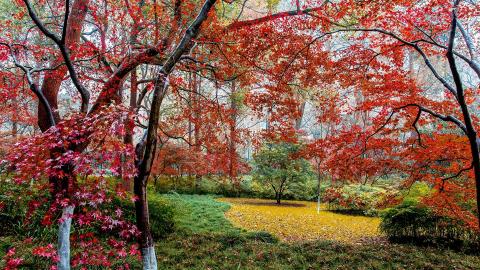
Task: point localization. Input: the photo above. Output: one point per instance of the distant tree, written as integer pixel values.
(279, 166)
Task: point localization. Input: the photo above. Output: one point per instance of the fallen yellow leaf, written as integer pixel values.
(299, 221)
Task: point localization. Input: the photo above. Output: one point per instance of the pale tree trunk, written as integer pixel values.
(197, 88)
(149, 259)
(318, 194)
(64, 238)
(146, 242)
(48, 116)
(299, 118)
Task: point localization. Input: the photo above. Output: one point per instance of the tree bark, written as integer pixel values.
(53, 79)
(145, 153)
(470, 129)
(64, 238)
(233, 141)
(143, 223)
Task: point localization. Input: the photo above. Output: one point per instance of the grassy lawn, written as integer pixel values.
(205, 239)
(200, 214)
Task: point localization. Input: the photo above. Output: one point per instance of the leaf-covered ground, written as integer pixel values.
(298, 221)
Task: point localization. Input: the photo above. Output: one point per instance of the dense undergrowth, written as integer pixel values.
(410, 221)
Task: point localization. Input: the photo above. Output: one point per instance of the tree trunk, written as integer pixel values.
(128, 139)
(299, 118)
(143, 223)
(233, 140)
(278, 197)
(54, 78)
(50, 87)
(469, 127)
(64, 239)
(318, 194)
(145, 154)
(474, 146)
(145, 150)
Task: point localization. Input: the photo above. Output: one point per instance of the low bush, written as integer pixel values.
(22, 209)
(412, 221)
(162, 214)
(416, 223)
(357, 199)
(247, 187)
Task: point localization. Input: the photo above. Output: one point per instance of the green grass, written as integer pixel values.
(200, 214)
(214, 252)
(206, 240)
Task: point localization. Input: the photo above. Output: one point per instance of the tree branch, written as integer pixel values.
(64, 51)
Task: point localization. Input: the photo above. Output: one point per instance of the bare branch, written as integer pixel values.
(65, 21)
(64, 51)
(42, 99)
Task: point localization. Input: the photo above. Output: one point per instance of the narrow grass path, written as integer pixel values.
(205, 239)
(299, 221)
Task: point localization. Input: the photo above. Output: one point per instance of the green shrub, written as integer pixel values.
(247, 187)
(356, 199)
(22, 208)
(416, 192)
(162, 215)
(411, 221)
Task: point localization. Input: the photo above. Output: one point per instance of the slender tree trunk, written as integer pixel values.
(233, 139)
(145, 150)
(53, 79)
(474, 147)
(145, 153)
(63, 187)
(469, 127)
(50, 87)
(128, 139)
(318, 194)
(197, 87)
(299, 118)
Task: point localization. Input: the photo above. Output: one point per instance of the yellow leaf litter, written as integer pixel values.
(299, 221)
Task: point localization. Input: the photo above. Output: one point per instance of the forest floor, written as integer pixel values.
(206, 239)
